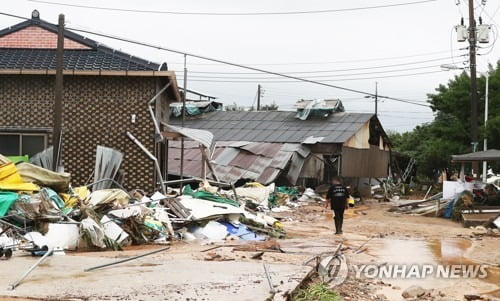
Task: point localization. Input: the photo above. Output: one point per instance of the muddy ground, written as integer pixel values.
(188, 272)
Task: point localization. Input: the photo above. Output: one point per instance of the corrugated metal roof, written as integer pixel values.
(278, 126)
(265, 149)
(226, 155)
(262, 162)
(204, 137)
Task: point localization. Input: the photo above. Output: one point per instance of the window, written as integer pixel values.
(20, 144)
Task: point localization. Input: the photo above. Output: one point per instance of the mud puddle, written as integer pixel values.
(399, 252)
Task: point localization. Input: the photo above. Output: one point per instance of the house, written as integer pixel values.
(286, 147)
(106, 94)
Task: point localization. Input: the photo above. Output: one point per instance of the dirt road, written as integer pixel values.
(403, 239)
(186, 273)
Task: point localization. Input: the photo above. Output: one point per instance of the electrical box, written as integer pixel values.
(462, 33)
(483, 33)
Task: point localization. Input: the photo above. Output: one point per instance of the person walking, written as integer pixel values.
(337, 197)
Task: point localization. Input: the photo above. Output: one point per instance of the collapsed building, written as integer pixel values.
(307, 147)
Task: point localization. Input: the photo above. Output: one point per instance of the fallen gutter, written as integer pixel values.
(158, 135)
(152, 157)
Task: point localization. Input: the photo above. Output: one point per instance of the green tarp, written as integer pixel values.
(6, 200)
(205, 195)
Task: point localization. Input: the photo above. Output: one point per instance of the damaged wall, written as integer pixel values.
(97, 111)
(372, 162)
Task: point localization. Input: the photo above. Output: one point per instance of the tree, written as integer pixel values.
(270, 107)
(433, 143)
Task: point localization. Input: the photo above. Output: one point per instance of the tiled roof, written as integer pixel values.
(90, 56)
(73, 60)
(277, 126)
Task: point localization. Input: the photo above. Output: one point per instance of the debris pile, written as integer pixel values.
(40, 210)
(472, 203)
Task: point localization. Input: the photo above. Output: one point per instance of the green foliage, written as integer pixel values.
(316, 292)
(270, 107)
(433, 143)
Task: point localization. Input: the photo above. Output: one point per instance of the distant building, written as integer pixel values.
(278, 146)
(106, 93)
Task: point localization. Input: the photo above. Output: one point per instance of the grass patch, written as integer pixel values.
(316, 292)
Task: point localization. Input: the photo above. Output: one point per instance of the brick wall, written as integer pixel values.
(97, 111)
(36, 37)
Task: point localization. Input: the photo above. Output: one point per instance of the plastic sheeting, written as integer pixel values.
(212, 230)
(255, 194)
(202, 209)
(10, 179)
(205, 195)
(116, 196)
(44, 177)
(94, 231)
(6, 201)
(242, 232)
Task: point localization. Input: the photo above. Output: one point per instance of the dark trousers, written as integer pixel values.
(338, 218)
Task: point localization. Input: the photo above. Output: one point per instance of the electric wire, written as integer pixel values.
(341, 70)
(271, 80)
(309, 77)
(244, 66)
(329, 62)
(233, 13)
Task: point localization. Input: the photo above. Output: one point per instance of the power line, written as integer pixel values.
(313, 76)
(234, 13)
(239, 65)
(341, 70)
(323, 82)
(329, 62)
(13, 16)
(242, 66)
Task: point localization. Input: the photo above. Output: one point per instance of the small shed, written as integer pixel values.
(484, 156)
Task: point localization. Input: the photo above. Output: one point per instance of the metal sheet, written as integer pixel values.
(281, 160)
(243, 160)
(268, 176)
(204, 137)
(226, 156)
(260, 163)
(264, 149)
(365, 163)
(295, 168)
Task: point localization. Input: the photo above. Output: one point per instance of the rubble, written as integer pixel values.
(413, 291)
(40, 210)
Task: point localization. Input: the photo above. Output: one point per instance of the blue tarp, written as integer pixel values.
(242, 232)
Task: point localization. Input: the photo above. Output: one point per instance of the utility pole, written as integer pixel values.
(473, 79)
(183, 121)
(57, 132)
(485, 142)
(376, 98)
(258, 97)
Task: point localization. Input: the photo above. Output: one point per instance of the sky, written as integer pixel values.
(399, 48)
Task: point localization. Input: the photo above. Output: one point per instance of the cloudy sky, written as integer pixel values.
(399, 47)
